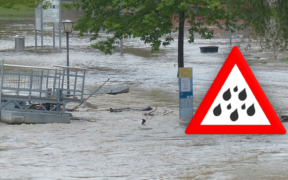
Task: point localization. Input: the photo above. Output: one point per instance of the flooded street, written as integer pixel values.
(105, 145)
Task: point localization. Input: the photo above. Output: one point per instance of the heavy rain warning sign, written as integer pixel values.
(235, 103)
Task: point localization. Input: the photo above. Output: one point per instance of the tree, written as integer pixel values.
(151, 20)
(267, 21)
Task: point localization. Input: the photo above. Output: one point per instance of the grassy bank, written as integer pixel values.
(22, 12)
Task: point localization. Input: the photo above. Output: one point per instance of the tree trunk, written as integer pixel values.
(181, 40)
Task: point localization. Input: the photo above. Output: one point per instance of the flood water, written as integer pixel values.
(117, 146)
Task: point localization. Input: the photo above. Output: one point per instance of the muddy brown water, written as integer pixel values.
(117, 145)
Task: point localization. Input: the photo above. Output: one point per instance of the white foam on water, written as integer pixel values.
(112, 147)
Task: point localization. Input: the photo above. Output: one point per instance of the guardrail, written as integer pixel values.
(21, 84)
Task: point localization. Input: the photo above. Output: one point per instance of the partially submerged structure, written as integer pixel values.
(39, 95)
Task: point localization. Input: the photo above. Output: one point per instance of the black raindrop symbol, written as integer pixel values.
(243, 106)
(227, 95)
(242, 95)
(251, 110)
(234, 115)
(235, 89)
(217, 110)
(229, 106)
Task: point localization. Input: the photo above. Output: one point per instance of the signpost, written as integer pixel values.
(37, 23)
(50, 15)
(37, 18)
(185, 93)
(41, 26)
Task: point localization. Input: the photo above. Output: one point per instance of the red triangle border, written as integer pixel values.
(235, 57)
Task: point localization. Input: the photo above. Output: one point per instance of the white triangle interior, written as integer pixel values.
(234, 79)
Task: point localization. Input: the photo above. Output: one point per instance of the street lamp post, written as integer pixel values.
(67, 26)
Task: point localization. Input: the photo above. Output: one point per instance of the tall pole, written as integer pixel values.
(121, 41)
(230, 35)
(54, 34)
(60, 24)
(2, 79)
(68, 81)
(41, 26)
(35, 29)
(121, 46)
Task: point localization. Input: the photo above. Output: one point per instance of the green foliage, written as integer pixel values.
(267, 21)
(285, 59)
(21, 10)
(150, 20)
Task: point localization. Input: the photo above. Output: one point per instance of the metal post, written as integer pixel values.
(121, 46)
(230, 35)
(41, 26)
(224, 31)
(75, 82)
(47, 83)
(68, 81)
(63, 75)
(82, 91)
(54, 34)
(31, 84)
(54, 84)
(121, 41)
(19, 81)
(59, 79)
(248, 32)
(2, 79)
(41, 81)
(60, 24)
(35, 30)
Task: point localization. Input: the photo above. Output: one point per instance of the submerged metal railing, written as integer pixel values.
(21, 84)
(30, 81)
(76, 82)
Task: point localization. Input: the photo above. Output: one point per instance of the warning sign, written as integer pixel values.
(235, 103)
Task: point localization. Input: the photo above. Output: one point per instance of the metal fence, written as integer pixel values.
(21, 84)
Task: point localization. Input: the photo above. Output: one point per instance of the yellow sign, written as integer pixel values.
(185, 72)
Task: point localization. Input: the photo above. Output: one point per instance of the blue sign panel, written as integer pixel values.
(185, 93)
